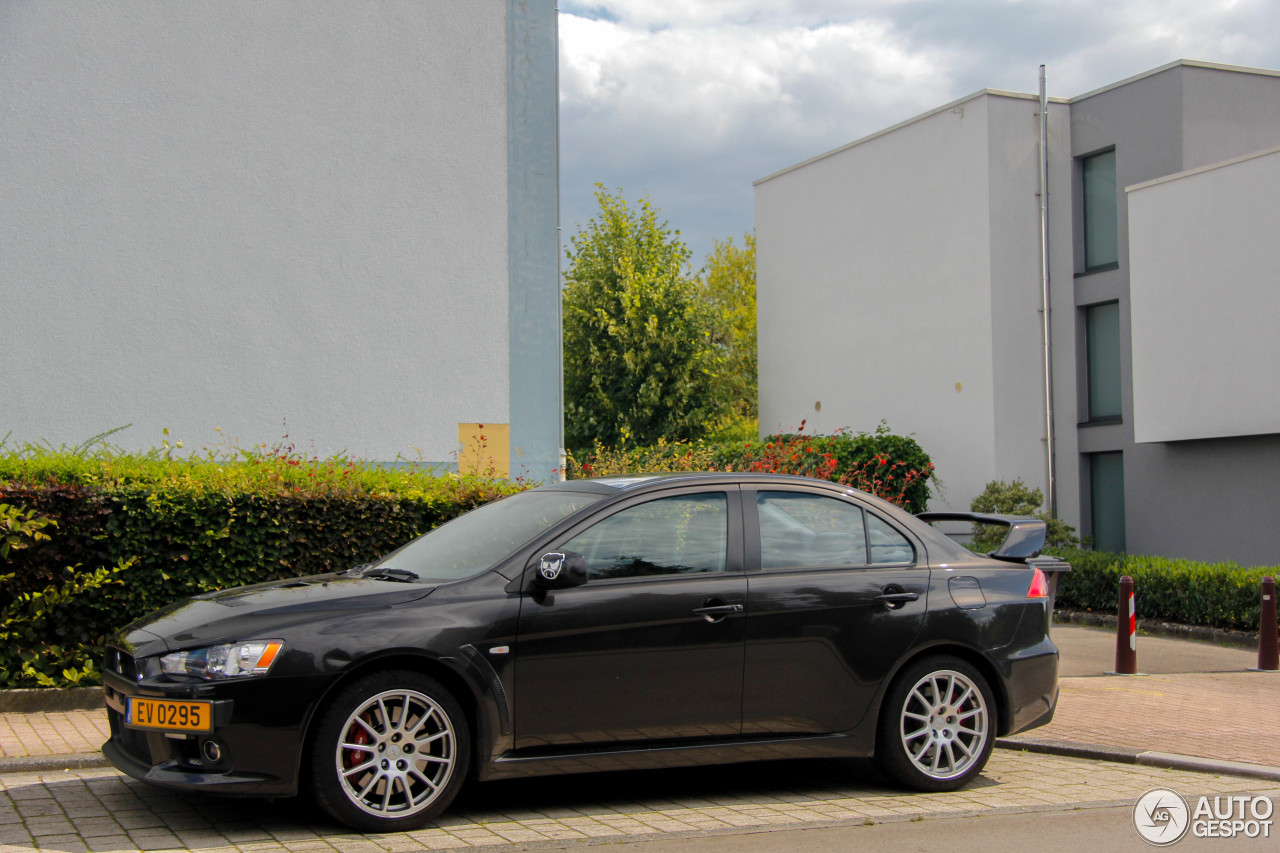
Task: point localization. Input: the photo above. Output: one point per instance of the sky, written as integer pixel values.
(688, 102)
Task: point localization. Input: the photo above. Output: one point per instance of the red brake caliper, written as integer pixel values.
(356, 734)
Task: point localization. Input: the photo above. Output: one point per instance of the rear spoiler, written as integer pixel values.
(1024, 540)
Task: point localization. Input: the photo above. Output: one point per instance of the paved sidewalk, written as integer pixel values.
(52, 733)
(1227, 716)
(1199, 700)
(101, 810)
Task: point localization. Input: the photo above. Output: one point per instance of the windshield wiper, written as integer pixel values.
(401, 575)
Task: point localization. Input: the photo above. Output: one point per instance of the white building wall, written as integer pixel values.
(874, 296)
(269, 218)
(1016, 298)
(1204, 301)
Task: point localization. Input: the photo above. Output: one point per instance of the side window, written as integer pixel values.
(807, 530)
(887, 544)
(677, 535)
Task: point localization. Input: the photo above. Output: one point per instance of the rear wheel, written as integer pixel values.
(390, 753)
(937, 726)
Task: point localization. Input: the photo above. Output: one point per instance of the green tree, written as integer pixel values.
(729, 283)
(640, 356)
(1016, 498)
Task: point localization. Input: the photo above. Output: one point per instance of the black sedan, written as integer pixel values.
(596, 625)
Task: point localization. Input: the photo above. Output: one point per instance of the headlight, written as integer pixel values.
(233, 660)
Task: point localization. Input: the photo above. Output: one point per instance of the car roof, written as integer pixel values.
(628, 483)
(635, 482)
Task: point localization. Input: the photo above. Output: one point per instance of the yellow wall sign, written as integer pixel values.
(484, 449)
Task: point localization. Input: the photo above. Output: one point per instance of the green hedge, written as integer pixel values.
(1218, 595)
(185, 526)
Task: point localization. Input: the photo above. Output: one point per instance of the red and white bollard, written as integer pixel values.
(1126, 630)
(1268, 641)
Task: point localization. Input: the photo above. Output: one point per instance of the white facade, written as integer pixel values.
(265, 218)
(899, 281)
(1205, 363)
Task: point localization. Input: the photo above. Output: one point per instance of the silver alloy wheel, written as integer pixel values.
(396, 754)
(944, 724)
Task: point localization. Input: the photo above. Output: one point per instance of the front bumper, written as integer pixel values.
(258, 731)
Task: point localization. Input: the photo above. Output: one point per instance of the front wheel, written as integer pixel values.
(937, 726)
(390, 753)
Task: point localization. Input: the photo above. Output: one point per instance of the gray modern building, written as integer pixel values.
(335, 220)
(900, 279)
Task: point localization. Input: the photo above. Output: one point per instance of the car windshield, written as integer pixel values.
(477, 540)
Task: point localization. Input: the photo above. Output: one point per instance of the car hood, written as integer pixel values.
(260, 611)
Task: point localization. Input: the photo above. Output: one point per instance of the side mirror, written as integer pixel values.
(560, 570)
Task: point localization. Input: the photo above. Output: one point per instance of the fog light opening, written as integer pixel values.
(211, 751)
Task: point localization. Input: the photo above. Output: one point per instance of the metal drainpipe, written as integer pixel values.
(559, 249)
(1044, 296)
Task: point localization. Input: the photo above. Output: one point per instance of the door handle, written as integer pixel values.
(895, 596)
(714, 610)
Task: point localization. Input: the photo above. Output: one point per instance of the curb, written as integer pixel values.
(1147, 758)
(1227, 636)
(52, 763)
(51, 699)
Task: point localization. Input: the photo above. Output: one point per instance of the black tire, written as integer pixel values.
(937, 725)
(417, 755)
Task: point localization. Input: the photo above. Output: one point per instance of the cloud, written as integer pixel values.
(711, 79)
(691, 101)
(714, 106)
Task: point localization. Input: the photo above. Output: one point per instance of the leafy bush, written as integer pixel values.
(659, 458)
(165, 528)
(17, 527)
(1219, 595)
(28, 655)
(1016, 498)
(890, 466)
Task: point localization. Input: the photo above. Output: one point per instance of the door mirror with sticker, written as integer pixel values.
(560, 570)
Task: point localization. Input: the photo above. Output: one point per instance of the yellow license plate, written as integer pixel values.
(170, 715)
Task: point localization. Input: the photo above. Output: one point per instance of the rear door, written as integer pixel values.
(836, 598)
(651, 647)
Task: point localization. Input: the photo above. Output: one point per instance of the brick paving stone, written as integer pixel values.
(154, 842)
(64, 844)
(1205, 714)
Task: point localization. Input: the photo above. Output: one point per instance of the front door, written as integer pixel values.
(651, 647)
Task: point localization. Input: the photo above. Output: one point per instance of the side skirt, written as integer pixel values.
(851, 744)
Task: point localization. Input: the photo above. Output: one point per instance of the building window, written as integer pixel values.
(1106, 499)
(1101, 228)
(1102, 361)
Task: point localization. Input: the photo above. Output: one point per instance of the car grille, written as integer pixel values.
(131, 740)
(121, 663)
